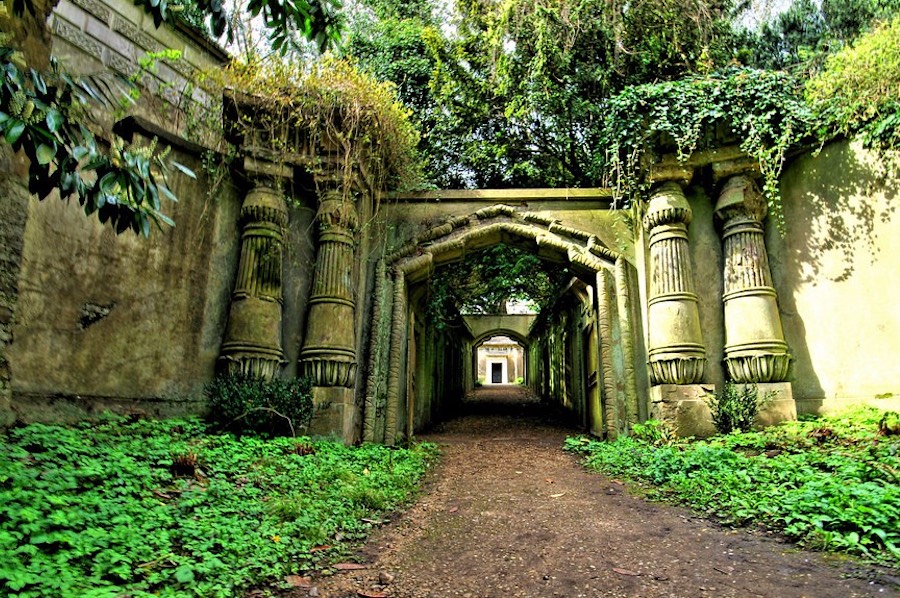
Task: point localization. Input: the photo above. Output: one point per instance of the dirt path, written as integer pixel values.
(507, 513)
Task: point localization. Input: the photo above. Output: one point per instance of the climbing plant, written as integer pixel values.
(338, 108)
(763, 111)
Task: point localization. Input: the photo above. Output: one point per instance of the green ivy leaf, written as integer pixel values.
(14, 131)
(45, 153)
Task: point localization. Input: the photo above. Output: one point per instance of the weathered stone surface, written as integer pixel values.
(683, 407)
(252, 344)
(676, 352)
(755, 350)
(780, 405)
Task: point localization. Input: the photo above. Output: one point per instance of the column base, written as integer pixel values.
(780, 408)
(682, 406)
(336, 413)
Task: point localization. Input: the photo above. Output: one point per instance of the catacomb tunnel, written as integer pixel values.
(579, 352)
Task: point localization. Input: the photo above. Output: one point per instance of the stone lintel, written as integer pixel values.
(677, 172)
(780, 407)
(335, 413)
(256, 167)
(741, 165)
(683, 407)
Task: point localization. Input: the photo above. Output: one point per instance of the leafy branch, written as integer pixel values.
(43, 115)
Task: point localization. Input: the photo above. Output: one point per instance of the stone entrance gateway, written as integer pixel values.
(666, 299)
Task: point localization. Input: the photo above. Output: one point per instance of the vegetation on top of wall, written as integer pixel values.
(831, 483)
(166, 508)
(339, 108)
(764, 110)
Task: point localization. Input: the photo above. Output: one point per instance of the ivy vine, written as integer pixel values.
(764, 110)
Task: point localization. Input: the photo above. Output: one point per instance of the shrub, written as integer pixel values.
(735, 407)
(245, 403)
(653, 432)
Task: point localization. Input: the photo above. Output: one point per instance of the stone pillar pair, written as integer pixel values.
(755, 351)
(253, 343)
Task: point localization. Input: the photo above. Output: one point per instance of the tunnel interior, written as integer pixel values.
(461, 343)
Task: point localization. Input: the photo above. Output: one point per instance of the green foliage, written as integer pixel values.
(653, 432)
(100, 510)
(764, 110)
(44, 116)
(343, 110)
(857, 91)
(244, 403)
(484, 280)
(832, 483)
(734, 408)
(315, 20)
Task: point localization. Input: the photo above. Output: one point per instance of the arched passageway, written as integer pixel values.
(580, 353)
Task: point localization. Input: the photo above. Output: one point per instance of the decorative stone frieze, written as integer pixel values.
(755, 350)
(329, 350)
(253, 337)
(676, 351)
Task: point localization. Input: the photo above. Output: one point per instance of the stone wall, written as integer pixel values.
(93, 320)
(836, 274)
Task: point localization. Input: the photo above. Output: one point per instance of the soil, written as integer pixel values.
(508, 513)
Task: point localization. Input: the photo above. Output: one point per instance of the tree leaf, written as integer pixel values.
(14, 131)
(45, 154)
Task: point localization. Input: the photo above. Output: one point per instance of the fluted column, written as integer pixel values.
(755, 350)
(329, 350)
(253, 336)
(676, 351)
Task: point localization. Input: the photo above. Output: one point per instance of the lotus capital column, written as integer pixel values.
(755, 350)
(676, 351)
(252, 344)
(329, 351)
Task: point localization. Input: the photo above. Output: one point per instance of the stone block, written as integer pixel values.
(335, 414)
(781, 407)
(683, 407)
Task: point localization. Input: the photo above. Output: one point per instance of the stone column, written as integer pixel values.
(329, 353)
(677, 356)
(253, 336)
(755, 350)
(676, 351)
(329, 350)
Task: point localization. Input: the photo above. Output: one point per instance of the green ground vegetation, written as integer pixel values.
(170, 508)
(831, 483)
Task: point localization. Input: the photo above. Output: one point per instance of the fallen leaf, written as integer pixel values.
(625, 572)
(557, 495)
(320, 548)
(454, 509)
(349, 566)
(298, 581)
(374, 521)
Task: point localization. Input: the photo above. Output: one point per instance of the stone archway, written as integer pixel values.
(388, 410)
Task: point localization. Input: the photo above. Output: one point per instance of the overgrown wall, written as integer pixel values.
(94, 320)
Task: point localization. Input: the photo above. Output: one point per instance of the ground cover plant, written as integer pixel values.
(831, 483)
(169, 508)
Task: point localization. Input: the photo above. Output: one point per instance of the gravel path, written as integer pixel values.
(508, 513)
